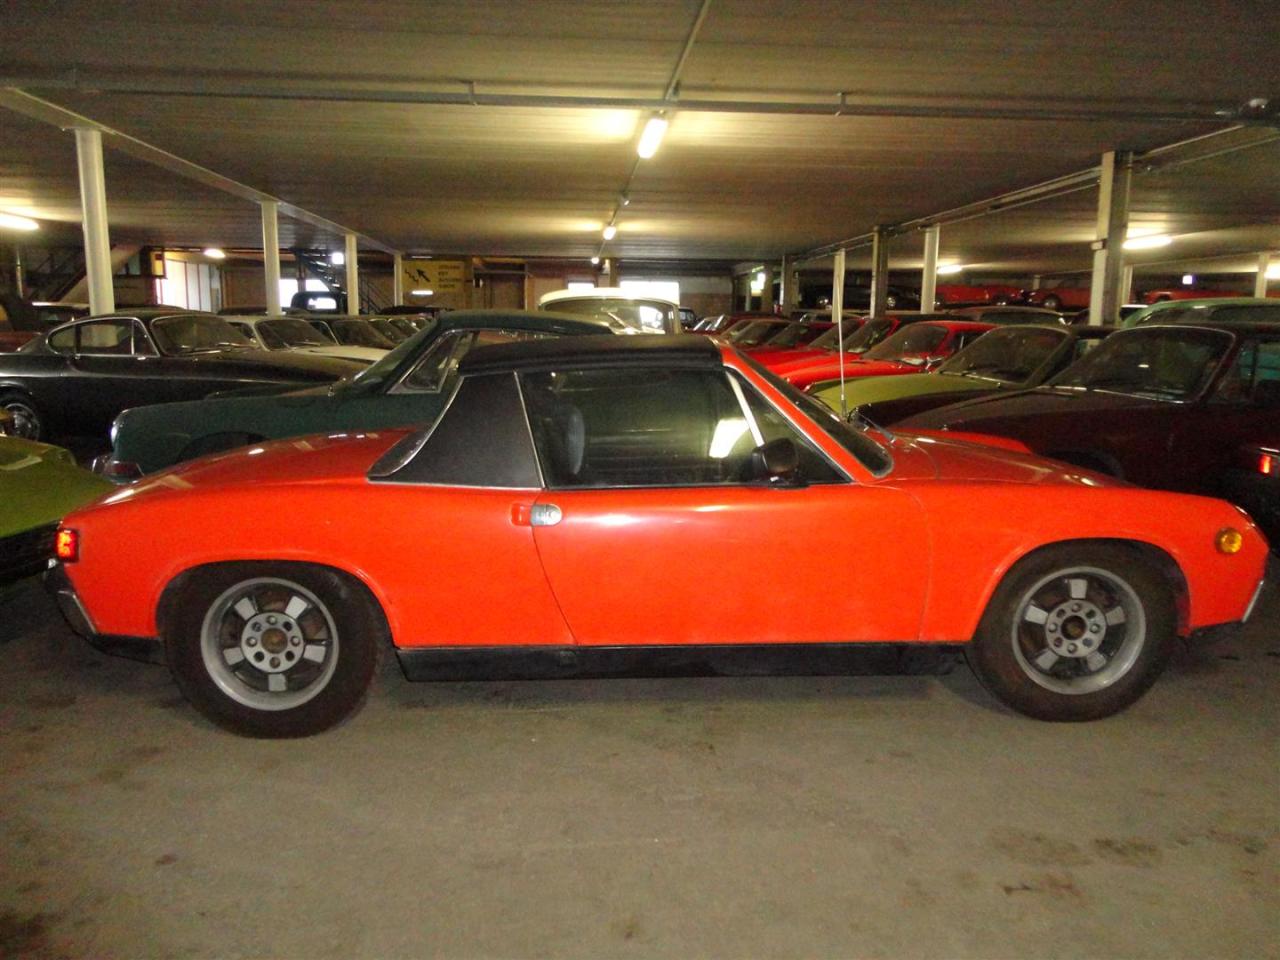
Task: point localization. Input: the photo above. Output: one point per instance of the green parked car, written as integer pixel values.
(1216, 309)
(1003, 359)
(405, 388)
(39, 484)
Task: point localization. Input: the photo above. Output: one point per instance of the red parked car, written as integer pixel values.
(1187, 293)
(857, 339)
(722, 323)
(547, 506)
(1058, 298)
(961, 293)
(796, 335)
(914, 348)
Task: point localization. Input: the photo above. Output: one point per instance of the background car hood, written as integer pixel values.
(1028, 404)
(39, 484)
(960, 460)
(282, 364)
(880, 389)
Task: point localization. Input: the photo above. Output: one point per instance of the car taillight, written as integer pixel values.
(1267, 464)
(66, 545)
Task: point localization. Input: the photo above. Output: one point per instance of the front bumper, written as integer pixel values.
(146, 649)
(1226, 631)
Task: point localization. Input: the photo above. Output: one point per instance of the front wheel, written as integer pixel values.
(1052, 302)
(1075, 633)
(273, 650)
(26, 420)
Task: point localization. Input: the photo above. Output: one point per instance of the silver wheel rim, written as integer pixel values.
(1078, 630)
(269, 644)
(26, 423)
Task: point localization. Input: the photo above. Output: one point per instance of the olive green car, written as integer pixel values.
(39, 484)
(405, 388)
(1006, 358)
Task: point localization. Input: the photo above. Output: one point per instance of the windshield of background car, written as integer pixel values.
(291, 332)
(853, 438)
(753, 334)
(868, 335)
(1163, 363)
(381, 370)
(913, 339)
(359, 333)
(191, 333)
(1011, 356)
(793, 334)
(640, 316)
(831, 339)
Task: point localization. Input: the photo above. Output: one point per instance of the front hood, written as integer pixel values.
(878, 368)
(361, 355)
(881, 389)
(1030, 405)
(959, 460)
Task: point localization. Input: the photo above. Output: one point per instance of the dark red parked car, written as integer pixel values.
(1163, 406)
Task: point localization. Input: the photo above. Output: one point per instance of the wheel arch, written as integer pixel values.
(166, 605)
(1159, 558)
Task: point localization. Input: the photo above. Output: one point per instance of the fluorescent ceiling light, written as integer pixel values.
(214, 253)
(11, 221)
(595, 259)
(946, 269)
(421, 293)
(651, 139)
(610, 232)
(337, 258)
(1148, 243)
(1188, 279)
(1273, 271)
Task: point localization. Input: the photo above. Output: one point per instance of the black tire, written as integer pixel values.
(28, 422)
(236, 694)
(1052, 302)
(1049, 668)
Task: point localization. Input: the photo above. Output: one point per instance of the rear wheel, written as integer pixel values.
(1052, 302)
(27, 421)
(1075, 632)
(273, 650)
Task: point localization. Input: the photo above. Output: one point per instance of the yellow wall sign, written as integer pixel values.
(438, 276)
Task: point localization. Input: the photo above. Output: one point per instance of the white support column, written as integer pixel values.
(1126, 287)
(1108, 248)
(879, 271)
(766, 289)
(93, 210)
(1260, 281)
(929, 272)
(397, 280)
(353, 274)
(837, 314)
(271, 255)
(789, 294)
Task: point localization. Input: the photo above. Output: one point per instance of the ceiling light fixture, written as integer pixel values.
(214, 253)
(11, 221)
(421, 293)
(1148, 243)
(595, 260)
(946, 269)
(610, 232)
(626, 199)
(1273, 271)
(651, 139)
(338, 258)
(1188, 279)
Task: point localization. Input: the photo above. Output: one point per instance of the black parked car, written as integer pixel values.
(75, 380)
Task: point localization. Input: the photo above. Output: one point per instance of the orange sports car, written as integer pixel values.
(545, 511)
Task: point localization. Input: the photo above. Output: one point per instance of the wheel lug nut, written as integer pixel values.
(271, 620)
(252, 641)
(295, 641)
(1072, 649)
(257, 627)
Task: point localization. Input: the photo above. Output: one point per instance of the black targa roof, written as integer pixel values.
(661, 350)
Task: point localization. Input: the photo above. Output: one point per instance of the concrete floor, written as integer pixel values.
(787, 817)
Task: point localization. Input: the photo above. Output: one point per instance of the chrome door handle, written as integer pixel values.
(544, 515)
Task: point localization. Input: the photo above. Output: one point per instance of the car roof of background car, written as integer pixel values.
(1209, 305)
(521, 319)
(667, 350)
(950, 323)
(1239, 328)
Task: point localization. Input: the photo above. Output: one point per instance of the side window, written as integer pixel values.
(814, 467)
(645, 428)
(63, 341)
(270, 340)
(1254, 375)
(107, 338)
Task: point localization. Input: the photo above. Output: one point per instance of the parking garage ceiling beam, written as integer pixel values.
(1260, 110)
(19, 101)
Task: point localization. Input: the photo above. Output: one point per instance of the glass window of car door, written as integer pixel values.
(1254, 376)
(436, 370)
(111, 338)
(640, 427)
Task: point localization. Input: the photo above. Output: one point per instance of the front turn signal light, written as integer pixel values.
(66, 545)
(1229, 540)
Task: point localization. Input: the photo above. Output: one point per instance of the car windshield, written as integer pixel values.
(632, 316)
(753, 334)
(360, 333)
(910, 341)
(194, 332)
(831, 339)
(1163, 363)
(388, 329)
(378, 372)
(794, 334)
(292, 332)
(853, 438)
(1010, 355)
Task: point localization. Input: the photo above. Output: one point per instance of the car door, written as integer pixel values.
(653, 529)
(114, 366)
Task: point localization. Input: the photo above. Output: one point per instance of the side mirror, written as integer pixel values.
(777, 461)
